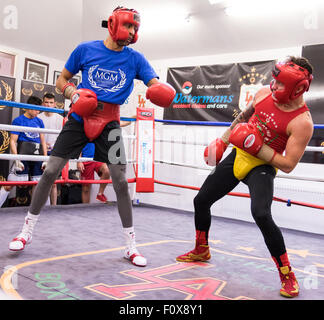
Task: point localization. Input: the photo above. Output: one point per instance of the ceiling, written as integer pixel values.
(54, 28)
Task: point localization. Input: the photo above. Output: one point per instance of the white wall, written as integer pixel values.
(54, 65)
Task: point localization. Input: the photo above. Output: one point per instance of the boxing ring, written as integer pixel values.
(76, 253)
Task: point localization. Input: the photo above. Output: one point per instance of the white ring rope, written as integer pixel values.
(4, 156)
(41, 130)
(283, 176)
(53, 131)
(314, 149)
(27, 157)
(27, 129)
(308, 148)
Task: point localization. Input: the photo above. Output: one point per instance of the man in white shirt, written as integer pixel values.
(51, 120)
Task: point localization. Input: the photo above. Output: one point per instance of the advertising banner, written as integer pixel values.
(216, 92)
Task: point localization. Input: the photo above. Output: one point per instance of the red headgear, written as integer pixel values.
(118, 18)
(292, 76)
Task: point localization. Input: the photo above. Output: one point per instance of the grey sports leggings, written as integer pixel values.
(118, 177)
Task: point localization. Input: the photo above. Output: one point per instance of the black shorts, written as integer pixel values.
(109, 146)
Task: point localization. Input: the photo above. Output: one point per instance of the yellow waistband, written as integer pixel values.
(244, 163)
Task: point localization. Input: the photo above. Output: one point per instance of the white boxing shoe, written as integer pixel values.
(19, 243)
(25, 236)
(135, 257)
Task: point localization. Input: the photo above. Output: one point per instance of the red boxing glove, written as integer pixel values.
(246, 137)
(214, 152)
(161, 94)
(84, 102)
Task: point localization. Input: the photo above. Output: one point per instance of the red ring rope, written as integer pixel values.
(245, 195)
(133, 180)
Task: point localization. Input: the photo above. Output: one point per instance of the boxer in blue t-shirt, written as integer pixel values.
(108, 70)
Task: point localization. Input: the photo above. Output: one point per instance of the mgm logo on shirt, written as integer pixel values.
(106, 80)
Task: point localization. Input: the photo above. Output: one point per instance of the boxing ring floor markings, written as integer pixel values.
(77, 254)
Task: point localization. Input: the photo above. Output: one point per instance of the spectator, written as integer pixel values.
(27, 143)
(52, 120)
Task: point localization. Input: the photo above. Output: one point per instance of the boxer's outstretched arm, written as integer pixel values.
(159, 93)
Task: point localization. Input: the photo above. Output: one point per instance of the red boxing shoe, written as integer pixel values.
(290, 287)
(102, 198)
(200, 253)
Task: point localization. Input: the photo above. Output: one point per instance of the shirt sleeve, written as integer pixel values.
(59, 122)
(145, 71)
(73, 64)
(16, 122)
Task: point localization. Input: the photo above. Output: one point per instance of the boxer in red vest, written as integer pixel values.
(271, 133)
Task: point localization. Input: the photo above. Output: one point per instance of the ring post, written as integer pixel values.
(145, 150)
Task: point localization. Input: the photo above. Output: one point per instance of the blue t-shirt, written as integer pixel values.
(89, 150)
(110, 74)
(26, 122)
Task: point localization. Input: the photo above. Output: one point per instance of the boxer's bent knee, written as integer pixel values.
(201, 203)
(262, 216)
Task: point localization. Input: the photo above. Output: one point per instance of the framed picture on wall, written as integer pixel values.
(76, 78)
(36, 70)
(55, 76)
(7, 64)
